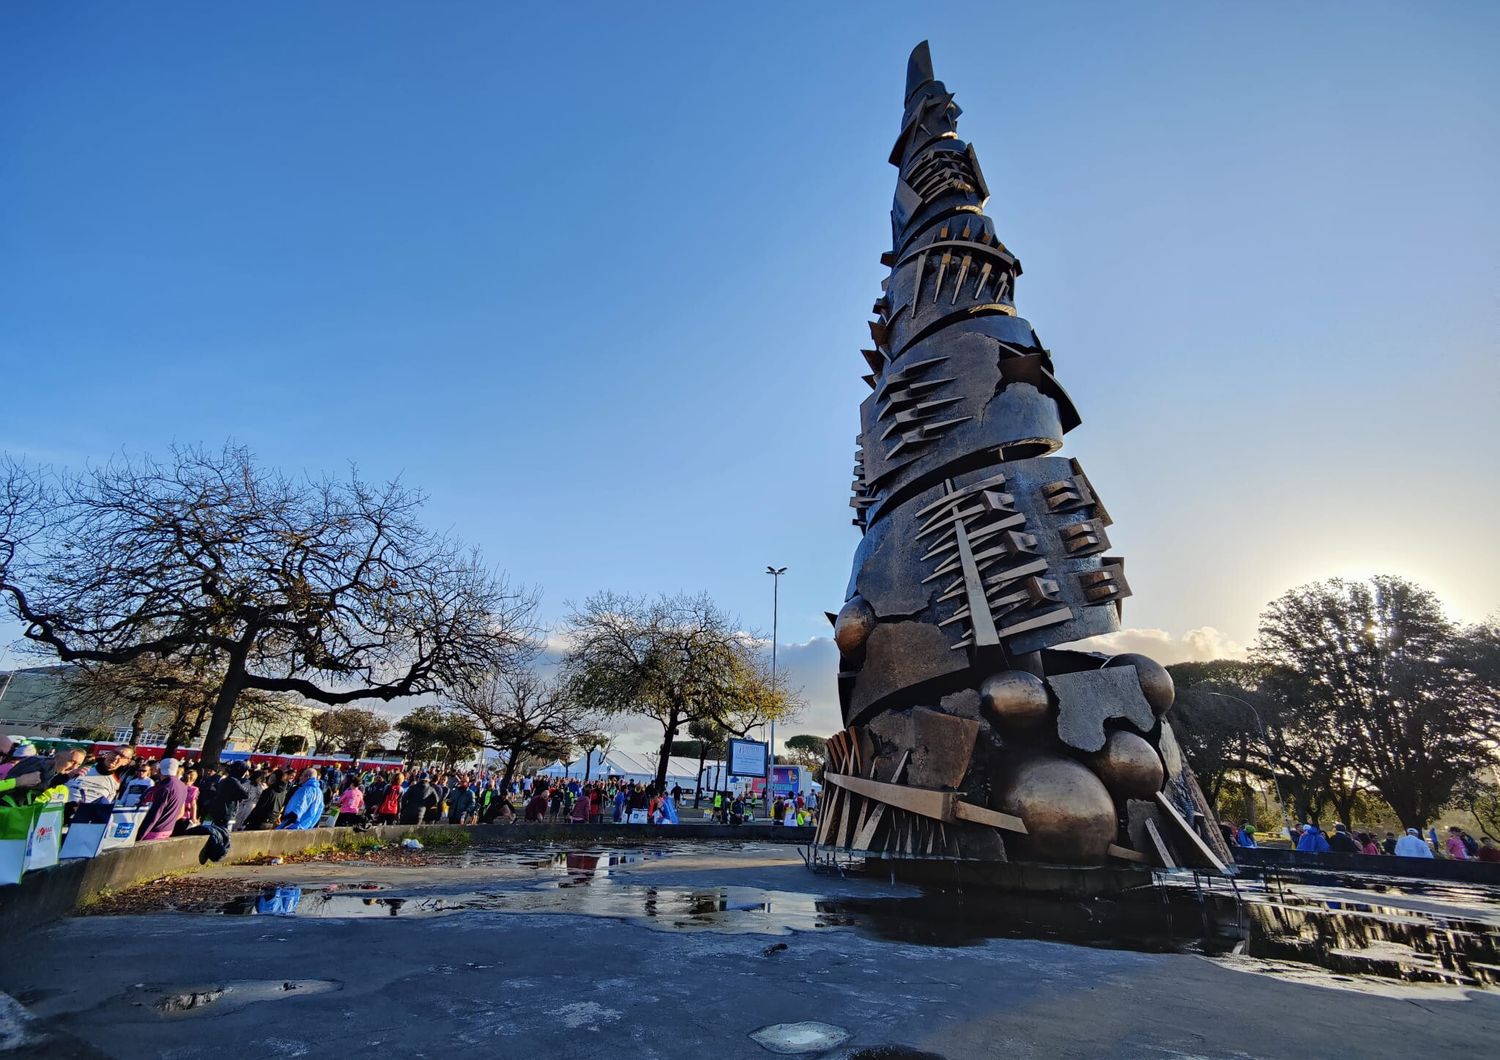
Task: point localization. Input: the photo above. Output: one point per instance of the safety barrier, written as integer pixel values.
(1370, 865)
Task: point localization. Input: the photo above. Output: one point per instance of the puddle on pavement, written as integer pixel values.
(220, 998)
(564, 859)
(1336, 928)
(1334, 938)
(723, 909)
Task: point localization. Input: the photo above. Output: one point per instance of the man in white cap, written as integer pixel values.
(13, 750)
(1411, 845)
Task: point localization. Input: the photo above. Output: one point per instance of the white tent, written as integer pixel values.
(638, 767)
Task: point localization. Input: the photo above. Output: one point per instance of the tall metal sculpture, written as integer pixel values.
(972, 731)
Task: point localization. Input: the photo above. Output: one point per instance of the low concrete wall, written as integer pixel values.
(1371, 865)
(51, 893)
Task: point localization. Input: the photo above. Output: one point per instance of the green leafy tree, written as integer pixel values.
(1411, 700)
(674, 660)
(349, 730)
(809, 752)
(711, 739)
(431, 734)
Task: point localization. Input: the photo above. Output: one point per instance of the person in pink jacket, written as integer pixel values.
(351, 803)
(1455, 845)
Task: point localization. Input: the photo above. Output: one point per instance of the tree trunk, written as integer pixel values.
(666, 753)
(1343, 805)
(1407, 812)
(588, 763)
(1305, 808)
(175, 736)
(198, 721)
(698, 787)
(510, 770)
(137, 723)
(229, 695)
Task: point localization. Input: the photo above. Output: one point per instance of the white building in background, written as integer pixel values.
(642, 769)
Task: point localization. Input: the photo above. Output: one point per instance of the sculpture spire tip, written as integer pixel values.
(918, 68)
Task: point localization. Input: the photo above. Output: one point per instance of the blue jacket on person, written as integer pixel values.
(1313, 842)
(305, 805)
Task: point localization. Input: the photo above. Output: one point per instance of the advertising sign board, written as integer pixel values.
(747, 758)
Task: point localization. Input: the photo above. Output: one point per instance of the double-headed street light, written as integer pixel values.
(775, 573)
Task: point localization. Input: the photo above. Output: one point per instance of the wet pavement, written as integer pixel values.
(694, 949)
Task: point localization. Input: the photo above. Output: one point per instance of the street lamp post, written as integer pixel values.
(775, 573)
(1261, 725)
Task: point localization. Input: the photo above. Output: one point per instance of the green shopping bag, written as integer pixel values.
(16, 823)
(31, 835)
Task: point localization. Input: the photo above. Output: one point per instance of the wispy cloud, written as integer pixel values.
(1196, 645)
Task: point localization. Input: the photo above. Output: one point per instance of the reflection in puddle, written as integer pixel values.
(1340, 929)
(1344, 938)
(562, 859)
(1387, 942)
(724, 909)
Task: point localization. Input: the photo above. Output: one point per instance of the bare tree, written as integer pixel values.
(523, 716)
(327, 589)
(674, 660)
(264, 717)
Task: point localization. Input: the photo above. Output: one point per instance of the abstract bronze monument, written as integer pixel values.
(972, 731)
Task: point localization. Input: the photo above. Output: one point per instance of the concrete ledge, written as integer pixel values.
(1370, 865)
(51, 893)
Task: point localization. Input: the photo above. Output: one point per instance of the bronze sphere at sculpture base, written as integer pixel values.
(1156, 683)
(1015, 697)
(1129, 766)
(1069, 816)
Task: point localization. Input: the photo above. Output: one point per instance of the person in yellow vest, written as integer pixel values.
(18, 792)
(39, 779)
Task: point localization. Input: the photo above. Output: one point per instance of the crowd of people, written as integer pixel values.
(187, 798)
(1310, 839)
(178, 797)
(184, 797)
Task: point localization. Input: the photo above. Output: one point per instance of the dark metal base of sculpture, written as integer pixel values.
(973, 733)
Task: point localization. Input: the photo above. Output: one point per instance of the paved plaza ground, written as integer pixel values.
(679, 952)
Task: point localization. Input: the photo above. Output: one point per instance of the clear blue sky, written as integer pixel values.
(596, 276)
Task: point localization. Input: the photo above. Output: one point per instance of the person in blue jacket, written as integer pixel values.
(1313, 840)
(304, 807)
